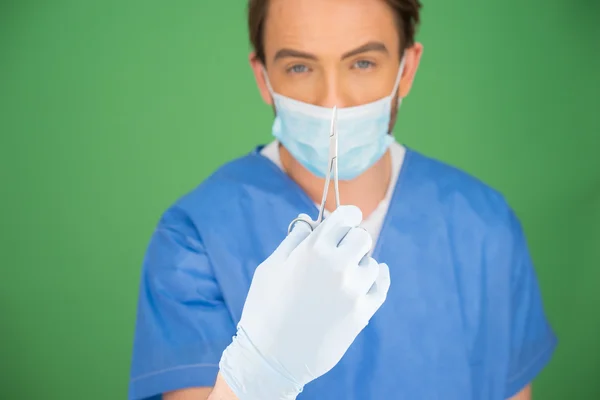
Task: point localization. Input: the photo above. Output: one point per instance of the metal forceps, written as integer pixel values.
(333, 168)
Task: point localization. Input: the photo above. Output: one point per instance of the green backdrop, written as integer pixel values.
(110, 110)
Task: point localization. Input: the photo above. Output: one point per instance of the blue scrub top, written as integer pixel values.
(463, 318)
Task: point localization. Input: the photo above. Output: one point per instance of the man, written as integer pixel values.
(434, 298)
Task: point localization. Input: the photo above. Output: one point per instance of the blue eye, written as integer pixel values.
(298, 69)
(363, 64)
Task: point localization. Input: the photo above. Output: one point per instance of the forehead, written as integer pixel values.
(327, 26)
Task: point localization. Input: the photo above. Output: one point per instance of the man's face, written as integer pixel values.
(333, 52)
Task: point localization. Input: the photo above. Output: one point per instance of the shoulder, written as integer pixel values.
(473, 218)
(228, 179)
(457, 194)
(224, 189)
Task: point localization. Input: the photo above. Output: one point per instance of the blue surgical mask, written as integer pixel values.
(363, 132)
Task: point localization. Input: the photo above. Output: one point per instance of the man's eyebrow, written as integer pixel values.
(285, 53)
(370, 46)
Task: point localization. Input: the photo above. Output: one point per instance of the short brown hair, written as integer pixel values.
(407, 18)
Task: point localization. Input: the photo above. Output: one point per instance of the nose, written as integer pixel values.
(332, 92)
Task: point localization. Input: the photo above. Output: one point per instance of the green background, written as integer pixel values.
(110, 110)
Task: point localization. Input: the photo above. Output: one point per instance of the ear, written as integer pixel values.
(257, 69)
(413, 57)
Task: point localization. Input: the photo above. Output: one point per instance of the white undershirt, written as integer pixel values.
(374, 222)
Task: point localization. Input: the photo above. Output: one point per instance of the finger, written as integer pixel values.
(363, 278)
(355, 245)
(300, 231)
(333, 229)
(378, 292)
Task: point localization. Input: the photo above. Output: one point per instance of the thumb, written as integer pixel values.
(300, 231)
(379, 290)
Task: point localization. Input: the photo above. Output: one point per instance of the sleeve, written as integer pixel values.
(183, 324)
(532, 340)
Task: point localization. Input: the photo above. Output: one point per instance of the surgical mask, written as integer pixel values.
(363, 132)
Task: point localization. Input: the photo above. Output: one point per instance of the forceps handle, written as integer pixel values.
(311, 224)
(333, 168)
(324, 199)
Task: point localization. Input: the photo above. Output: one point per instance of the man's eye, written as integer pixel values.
(363, 64)
(298, 69)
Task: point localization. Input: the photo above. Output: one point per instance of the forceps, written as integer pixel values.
(332, 167)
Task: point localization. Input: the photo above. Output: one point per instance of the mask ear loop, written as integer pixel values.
(266, 78)
(399, 77)
(397, 84)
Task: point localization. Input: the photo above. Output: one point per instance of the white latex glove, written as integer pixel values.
(307, 303)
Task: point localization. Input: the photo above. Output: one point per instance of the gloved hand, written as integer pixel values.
(306, 304)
